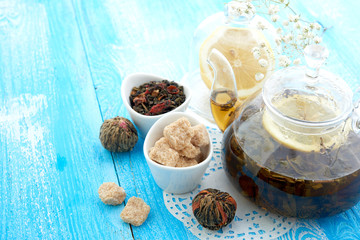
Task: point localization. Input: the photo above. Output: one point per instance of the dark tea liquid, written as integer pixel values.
(287, 181)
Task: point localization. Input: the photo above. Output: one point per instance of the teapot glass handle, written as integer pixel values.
(356, 113)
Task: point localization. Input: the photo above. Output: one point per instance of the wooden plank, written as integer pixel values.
(135, 38)
(122, 37)
(342, 40)
(342, 35)
(51, 159)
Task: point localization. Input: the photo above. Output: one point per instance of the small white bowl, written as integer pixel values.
(175, 180)
(143, 122)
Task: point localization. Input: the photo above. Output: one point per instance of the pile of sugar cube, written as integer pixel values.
(181, 145)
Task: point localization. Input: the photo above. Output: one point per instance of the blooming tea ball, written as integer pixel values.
(118, 134)
(213, 209)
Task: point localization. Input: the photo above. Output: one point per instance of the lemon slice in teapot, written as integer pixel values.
(248, 52)
(310, 109)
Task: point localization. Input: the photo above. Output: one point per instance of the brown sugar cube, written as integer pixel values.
(186, 162)
(110, 193)
(201, 136)
(190, 151)
(135, 212)
(199, 158)
(162, 143)
(179, 133)
(163, 154)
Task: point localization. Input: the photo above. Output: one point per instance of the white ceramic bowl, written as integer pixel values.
(175, 180)
(143, 122)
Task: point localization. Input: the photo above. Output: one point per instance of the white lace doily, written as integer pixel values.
(250, 222)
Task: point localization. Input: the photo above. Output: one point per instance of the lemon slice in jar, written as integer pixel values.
(300, 137)
(248, 53)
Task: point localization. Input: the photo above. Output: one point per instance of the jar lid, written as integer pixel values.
(308, 93)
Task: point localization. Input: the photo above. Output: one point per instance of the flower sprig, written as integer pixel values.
(293, 33)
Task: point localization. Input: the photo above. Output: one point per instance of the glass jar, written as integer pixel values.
(294, 148)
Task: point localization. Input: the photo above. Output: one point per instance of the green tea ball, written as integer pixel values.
(118, 134)
(213, 209)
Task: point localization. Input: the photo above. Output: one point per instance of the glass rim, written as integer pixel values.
(327, 123)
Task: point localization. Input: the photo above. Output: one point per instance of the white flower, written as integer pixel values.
(260, 26)
(237, 9)
(300, 37)
(284, 61)
(263, 62)
(259, 76)
(288, 38)
(279, 30)
(305, 29)
(297, 25)
(297, 61)
(285, 23)
(278, 41)
(250, 7)
(310, 35)
(317, 39)
(293, 18)
(273, 9)
(317, 26)
(296, 18)
(262, 44)
(274, 18)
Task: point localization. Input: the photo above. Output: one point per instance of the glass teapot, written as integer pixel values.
(246, 39)
(294, 147)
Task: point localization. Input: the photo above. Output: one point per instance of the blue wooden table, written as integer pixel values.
(61, 68)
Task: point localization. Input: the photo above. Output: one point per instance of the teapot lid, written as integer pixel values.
(309, 94)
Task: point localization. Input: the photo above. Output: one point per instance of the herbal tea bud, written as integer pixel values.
(118, 135)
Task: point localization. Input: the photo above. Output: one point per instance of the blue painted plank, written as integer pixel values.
(121, 37)
(52, 162)
(342, 40)
(150, 39)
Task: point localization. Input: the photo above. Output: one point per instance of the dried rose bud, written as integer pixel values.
(118, 134)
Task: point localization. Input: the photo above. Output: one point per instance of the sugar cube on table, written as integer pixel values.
(135, 212)
(112, 194)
